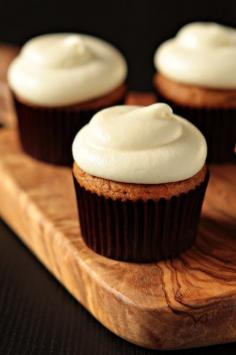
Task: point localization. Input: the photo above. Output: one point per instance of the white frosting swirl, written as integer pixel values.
(63, 69)
(201, 54)
(138, 144)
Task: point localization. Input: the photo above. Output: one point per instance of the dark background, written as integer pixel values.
(134, 26)
(37, 316)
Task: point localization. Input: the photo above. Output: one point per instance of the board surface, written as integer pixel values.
(185, 302)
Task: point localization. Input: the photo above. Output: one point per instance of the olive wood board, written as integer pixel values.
(186, 302)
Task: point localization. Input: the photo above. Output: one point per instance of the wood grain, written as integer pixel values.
(185, 302)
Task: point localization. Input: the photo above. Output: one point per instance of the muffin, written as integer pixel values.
(196, 75)
(140, 179)
(59, 81)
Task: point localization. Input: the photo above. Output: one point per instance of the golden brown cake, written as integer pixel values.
(194, 96)
(125, 191)
(117, 95)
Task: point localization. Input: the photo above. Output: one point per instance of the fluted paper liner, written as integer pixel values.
(217, 125)
(47, 133)
(140, 231)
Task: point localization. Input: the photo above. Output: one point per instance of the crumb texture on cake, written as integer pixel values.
(194, 96)
(124, 191)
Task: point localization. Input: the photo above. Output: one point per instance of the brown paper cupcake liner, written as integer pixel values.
(47, 133)
(140, 231)
(217, 125)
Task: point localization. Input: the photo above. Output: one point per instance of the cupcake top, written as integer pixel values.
(66, 69)
(202, 53)
(140, 144)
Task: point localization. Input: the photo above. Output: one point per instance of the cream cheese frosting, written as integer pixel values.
(64, 69)
(140, 144)
(202, 53)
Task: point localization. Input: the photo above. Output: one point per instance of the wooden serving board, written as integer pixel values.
(186, 302)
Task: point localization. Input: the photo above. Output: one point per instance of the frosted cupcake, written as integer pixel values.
(196, 75)
(140, 179)
(59, 81)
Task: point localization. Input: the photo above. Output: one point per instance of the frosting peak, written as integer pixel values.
(136, 144)
(56, 52)
(63, 69)
(200, 34)
(195, 55)
(130, 129)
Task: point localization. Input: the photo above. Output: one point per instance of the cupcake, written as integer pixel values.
(140, 179)
(196, 75)
(59, 81)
